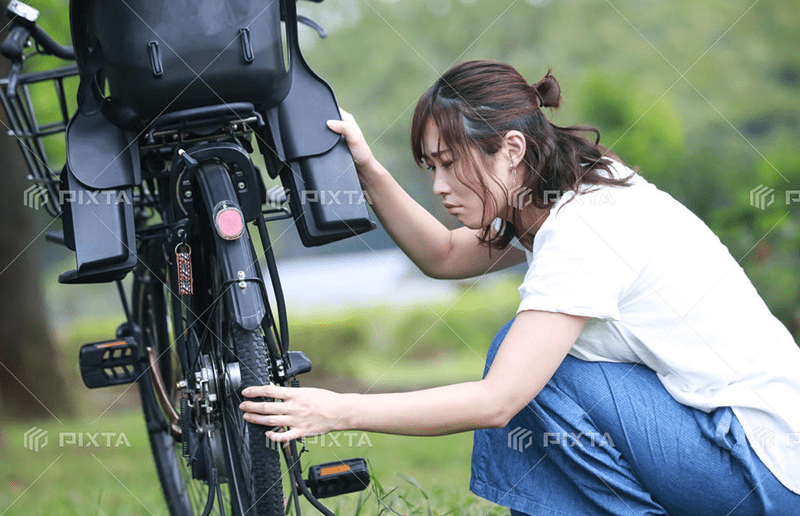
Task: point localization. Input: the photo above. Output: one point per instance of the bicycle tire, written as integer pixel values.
(256, 462)
(265, 486)
(262, 493)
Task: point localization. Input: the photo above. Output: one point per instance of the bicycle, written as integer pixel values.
(157, 178)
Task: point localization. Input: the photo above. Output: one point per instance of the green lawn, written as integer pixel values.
(99, 462)
(87, 468)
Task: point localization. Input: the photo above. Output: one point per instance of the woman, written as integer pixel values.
(642, 374)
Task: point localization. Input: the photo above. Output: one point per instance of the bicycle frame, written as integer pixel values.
(187, 182)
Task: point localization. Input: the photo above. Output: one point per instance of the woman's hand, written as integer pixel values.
(305, 411)
(347, 127)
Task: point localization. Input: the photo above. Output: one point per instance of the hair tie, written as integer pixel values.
(538, 96)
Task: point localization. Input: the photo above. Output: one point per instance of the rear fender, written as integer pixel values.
(237, 263)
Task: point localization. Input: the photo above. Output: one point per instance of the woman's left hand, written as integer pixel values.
(305, 411)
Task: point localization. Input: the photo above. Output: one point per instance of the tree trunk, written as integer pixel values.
(31, 382)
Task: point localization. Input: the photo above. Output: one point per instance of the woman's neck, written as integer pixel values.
(532, 219)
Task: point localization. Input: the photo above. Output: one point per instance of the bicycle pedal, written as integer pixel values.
(111, 362)
(337, 478)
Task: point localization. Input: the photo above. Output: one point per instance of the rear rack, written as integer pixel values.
(38, 128)
(200, 124)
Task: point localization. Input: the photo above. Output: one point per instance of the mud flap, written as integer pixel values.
(97, 198)
(324, 191)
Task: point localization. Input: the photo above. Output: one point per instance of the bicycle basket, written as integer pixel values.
(38, 127)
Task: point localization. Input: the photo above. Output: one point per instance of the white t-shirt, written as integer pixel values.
(661, 290)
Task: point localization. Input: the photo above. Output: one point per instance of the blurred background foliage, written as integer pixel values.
(703, 97)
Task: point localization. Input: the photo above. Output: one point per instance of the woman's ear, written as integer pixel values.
(515, 144)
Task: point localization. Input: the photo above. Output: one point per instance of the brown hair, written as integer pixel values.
(475, 103)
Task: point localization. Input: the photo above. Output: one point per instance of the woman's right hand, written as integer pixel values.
(347, 127)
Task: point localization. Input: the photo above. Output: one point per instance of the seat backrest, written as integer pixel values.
(146, 57)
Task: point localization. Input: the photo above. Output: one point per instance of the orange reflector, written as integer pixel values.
(111, 344)
(332, 470)
(229, 222)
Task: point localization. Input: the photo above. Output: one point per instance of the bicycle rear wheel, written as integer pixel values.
(211, 435)
(183, 495)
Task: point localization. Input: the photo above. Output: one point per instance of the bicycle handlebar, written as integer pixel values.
(23, 28)
(14, 45)
(51, 46)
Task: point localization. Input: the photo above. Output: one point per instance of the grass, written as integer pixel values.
(100, 466)
(70, 475)
(99, 462)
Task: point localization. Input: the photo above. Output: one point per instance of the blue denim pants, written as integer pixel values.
(606, 438)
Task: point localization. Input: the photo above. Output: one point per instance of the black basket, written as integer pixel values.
(38, 127)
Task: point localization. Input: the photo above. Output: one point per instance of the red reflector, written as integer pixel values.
(229, 222)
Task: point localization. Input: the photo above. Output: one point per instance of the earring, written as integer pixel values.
(513, 175)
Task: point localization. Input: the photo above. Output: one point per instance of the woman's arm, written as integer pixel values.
(439, 252)
(532, 350)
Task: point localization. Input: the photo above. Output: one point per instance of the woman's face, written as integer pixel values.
(463, 200)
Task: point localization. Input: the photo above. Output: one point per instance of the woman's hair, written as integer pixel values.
(475, 103)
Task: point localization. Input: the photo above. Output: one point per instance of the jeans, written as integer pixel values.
(607, 439)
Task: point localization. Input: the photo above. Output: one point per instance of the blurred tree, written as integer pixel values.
(643, 134)
(31, 382)
(698, 95)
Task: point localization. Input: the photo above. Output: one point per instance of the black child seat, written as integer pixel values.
(143, 58)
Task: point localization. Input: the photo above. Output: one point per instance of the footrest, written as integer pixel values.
(112, 362)
(337, 478)
(74, 277)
